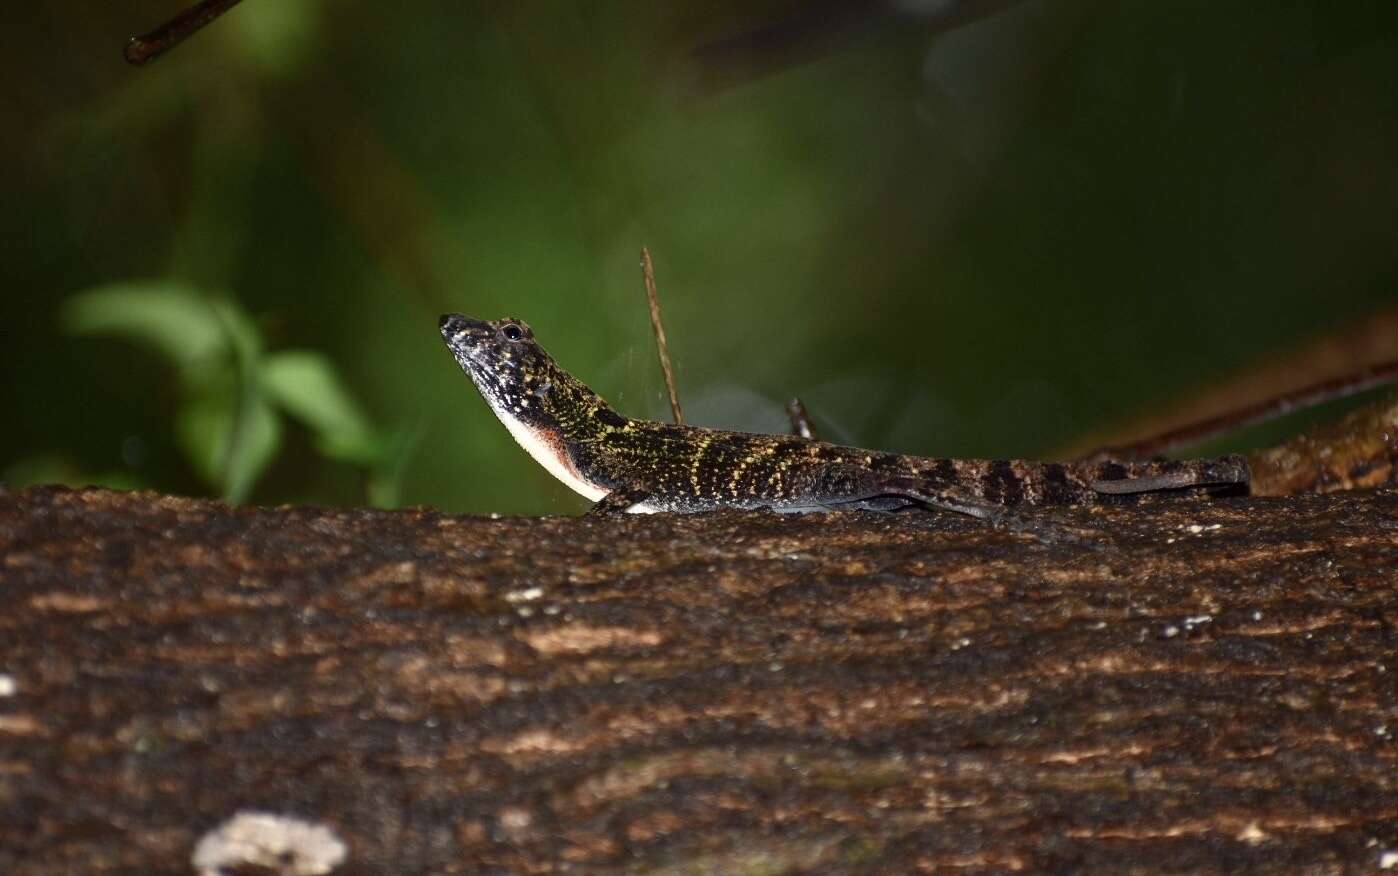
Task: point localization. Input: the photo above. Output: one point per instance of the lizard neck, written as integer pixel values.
(579, 416)
(564, 427)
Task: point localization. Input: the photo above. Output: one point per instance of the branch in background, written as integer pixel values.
(1347, 356)
(662, 349)
(149, 46)
(820, 28)
(1195, 434)
(1359, 451)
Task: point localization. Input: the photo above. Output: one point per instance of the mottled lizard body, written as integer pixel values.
(625, 464)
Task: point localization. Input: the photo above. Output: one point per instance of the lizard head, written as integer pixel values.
(544, 408)
(501, 357)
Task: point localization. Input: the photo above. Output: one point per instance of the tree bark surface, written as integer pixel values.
(1202, 687)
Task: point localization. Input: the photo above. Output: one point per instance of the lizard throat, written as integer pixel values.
(545, 446)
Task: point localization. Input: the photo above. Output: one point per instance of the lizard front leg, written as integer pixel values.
(620, 500)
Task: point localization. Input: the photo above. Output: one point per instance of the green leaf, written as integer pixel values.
(193, 331)
(306, 386)
(201, 430)
(384, 484)
(172, 319)
(229, 439)
(255, 442)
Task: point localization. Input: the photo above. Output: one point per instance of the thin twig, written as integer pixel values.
(149, 46)
(661, 348)
(800, 418)
(1260, 412)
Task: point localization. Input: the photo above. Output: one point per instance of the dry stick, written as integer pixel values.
(152, 45)
(800, 418)
(1261, 412)
(661, 348)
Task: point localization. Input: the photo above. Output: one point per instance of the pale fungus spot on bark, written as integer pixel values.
(283, 844)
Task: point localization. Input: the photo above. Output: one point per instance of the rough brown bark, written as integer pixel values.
(1210, 689)
(1358, 450)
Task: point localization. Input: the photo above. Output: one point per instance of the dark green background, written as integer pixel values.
(978, 243)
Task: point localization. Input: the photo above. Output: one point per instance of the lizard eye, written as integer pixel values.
(512, 332)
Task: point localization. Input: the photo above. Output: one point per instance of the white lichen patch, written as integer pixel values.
(285, 845)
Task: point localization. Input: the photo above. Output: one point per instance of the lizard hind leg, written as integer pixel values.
(620, 501)
(846, 487)
(1149, 484)
(1221, 473)
(901, 491)
(945, 500)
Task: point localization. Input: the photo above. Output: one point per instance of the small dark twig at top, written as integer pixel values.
(149, 46)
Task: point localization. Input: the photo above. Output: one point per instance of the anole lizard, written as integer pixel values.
(625, 464)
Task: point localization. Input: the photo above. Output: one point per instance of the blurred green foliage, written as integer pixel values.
(979, 242)
(234, 393)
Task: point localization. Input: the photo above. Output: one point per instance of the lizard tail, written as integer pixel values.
(1020, 482)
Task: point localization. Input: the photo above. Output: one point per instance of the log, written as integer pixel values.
(1202, 687)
